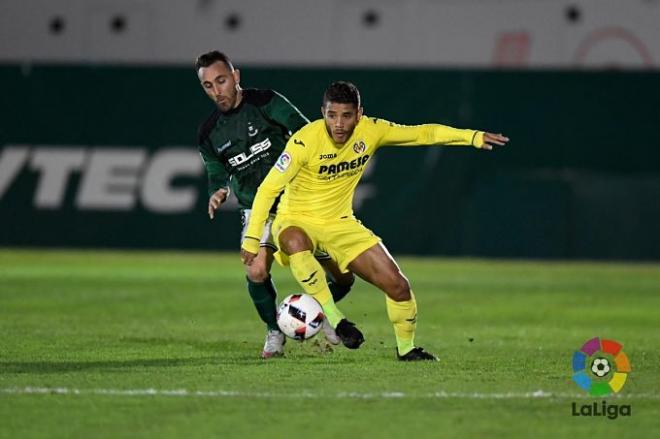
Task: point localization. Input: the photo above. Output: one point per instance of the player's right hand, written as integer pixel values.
(247, 257)
(216, 201)
(491, 139)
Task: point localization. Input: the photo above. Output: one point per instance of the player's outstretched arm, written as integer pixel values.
(216, 200)
(491, 139)
(434, 134)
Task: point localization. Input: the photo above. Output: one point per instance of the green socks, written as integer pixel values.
(263, 296)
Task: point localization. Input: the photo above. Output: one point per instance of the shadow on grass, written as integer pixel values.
(248, 352)
(107, 365)
(54, 367)
(200, 345)
(226, 354)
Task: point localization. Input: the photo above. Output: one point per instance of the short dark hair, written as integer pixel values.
(208, 58)
(342, 92)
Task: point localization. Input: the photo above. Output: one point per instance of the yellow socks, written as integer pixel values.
(311, 277)
(403, 316)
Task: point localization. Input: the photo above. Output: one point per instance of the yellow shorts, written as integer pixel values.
(343, 239)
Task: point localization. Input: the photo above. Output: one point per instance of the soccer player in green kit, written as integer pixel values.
(239, 143)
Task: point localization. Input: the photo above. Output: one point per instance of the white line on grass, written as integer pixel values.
(309, 394)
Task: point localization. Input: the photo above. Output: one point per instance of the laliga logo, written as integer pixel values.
(601, 367)
(283, 162)
(603, 359)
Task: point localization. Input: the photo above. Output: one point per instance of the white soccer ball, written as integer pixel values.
(300, 316)
(600, 367)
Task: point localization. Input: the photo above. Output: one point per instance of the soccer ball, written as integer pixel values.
(600, 367)
(300, 316)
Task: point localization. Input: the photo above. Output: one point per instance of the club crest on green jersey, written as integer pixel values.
(252, 131)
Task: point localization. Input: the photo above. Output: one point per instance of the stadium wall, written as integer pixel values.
(95, 156)
(584, 34)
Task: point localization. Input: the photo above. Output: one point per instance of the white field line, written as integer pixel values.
(539, 394)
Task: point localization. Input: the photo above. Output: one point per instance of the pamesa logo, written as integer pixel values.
(601, 368)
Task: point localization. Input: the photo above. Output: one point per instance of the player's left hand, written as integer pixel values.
(247, 257)
(216, 200)
(491, 139)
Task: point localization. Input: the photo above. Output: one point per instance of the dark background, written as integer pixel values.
(580, 178)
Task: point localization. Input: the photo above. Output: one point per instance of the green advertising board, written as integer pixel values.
(105, 156)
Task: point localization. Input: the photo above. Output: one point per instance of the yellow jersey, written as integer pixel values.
(319, 176)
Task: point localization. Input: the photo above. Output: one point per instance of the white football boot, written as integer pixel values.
(274, 346)
(329, 332)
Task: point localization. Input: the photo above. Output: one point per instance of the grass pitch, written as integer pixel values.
(147, 344)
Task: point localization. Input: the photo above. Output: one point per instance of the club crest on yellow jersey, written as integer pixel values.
(359, 147)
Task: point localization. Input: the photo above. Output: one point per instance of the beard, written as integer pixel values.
(227, 103)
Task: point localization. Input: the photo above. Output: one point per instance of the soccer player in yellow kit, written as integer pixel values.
(319, 170)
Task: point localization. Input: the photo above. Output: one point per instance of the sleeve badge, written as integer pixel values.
(283, 162)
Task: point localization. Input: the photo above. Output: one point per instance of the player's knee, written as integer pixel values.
(293, 240)
(344, 279)
(257, 273)
(400, 289)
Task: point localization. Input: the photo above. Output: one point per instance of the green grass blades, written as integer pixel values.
(155, 344)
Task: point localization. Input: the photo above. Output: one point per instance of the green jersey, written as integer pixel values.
(239, 147)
